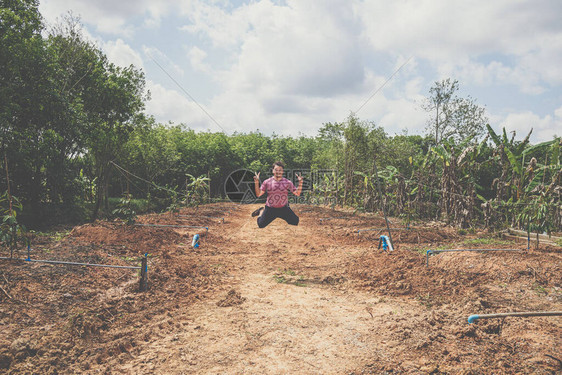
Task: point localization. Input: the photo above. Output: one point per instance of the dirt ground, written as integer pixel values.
(319, 298)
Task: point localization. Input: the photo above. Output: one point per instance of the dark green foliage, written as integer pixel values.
(11, 231)
(125, 209)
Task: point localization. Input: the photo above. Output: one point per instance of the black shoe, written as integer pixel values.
(257, 212)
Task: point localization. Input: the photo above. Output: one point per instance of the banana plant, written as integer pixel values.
(197, 190)
(540, 201)
(529, 200)
(328, 189)
(458, 186)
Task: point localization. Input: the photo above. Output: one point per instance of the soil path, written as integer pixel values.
(284, 310)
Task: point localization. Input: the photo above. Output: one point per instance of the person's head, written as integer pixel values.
(278, 169)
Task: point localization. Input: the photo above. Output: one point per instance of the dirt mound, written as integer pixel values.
(143, 239)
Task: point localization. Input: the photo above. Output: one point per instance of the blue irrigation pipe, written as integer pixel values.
(475, 317)
(451, 250)
(172, 226)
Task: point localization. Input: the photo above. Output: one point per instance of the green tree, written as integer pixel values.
(112, 104)
(453, 116)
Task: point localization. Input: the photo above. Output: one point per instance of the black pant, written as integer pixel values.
(271, 213)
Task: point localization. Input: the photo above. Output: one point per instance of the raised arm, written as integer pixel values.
(299, 188)
(259, 192)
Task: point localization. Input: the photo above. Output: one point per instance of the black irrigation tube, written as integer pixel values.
(172, 226)
(451, 250)
(373, 229)
(339, 217)
(206, 217)
(143, 267)
(307, 210)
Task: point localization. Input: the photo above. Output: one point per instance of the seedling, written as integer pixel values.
(125, 209)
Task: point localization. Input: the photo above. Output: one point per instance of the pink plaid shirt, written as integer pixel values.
(277, 191)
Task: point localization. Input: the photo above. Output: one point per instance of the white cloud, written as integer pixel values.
(197, 59)
(109, 16)
(495, 73)
(453, 36)
(169, 105)
(303, 49)
(224, 29)
(161, 59)
(106, 16)
(291, 66)
(544, 129)
(120, 53)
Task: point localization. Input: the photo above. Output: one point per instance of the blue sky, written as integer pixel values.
(290, 66)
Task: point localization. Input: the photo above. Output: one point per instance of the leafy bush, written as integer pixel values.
(125, 209)
(10, 230)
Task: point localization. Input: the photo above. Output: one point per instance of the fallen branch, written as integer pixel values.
(6, 293)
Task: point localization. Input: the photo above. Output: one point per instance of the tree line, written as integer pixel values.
(74, 134)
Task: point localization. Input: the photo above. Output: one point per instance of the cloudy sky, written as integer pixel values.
(290, 66)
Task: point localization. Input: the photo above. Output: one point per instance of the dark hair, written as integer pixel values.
(278, 163)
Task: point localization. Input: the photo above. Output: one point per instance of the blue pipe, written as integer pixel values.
(385, 242)
(473, 318)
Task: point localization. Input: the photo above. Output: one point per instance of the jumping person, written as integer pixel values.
(277, 203)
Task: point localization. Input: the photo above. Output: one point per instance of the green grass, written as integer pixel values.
(280, 279)
(445, 247)
(425, 300)
(288, 276)
(137, 205)
(289, 272)
(540, 290)
(54, 236)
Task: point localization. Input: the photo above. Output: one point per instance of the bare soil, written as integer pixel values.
(319, 298)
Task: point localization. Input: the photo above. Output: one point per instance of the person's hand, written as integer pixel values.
(300, 178)
(257, 177)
